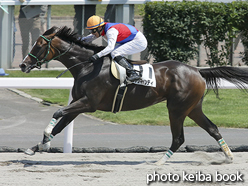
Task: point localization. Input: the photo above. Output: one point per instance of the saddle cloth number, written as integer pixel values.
(147, 78)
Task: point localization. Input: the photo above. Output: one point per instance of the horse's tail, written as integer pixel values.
(235, 75)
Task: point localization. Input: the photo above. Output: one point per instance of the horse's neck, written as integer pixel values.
(74, 66)
(77, 61)
(77, 66)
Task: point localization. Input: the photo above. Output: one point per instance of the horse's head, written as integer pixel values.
(54, 43)
(41, 52)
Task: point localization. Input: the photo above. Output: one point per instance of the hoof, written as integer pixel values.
(229, 159)
(161, 161)
(32, 150)
(29, 152)
(229, 155)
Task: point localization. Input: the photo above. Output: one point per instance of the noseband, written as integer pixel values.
(49, 45)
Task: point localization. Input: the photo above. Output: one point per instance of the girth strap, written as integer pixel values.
(118, 99)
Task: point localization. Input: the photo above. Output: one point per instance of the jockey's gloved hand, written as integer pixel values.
(81, 39)
(94, 58)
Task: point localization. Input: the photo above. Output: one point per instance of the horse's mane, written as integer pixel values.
(69, 35)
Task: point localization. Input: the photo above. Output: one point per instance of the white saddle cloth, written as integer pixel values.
(147, 78)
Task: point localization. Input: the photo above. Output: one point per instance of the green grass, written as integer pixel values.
(55, 96)
(36, 73)
(153, 115)
(229, 111)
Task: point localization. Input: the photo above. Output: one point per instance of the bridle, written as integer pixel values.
(42, 61)
(49, 45)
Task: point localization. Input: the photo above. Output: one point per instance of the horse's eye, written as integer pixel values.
(39, 46)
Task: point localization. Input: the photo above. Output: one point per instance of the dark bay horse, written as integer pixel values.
(94, 87)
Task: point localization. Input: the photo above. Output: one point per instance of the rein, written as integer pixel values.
(71, 68)
(41, 62)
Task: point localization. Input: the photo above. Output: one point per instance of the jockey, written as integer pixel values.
(129, 41)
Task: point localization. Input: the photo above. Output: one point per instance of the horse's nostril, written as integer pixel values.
(22, 65)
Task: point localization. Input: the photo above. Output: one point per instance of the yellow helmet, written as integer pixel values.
(94, 22)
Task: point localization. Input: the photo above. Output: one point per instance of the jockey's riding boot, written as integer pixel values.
(132, 75)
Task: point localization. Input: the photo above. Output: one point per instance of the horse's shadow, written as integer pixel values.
(30, 163)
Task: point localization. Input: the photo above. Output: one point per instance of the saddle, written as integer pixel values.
(146, 73)
(144, 69)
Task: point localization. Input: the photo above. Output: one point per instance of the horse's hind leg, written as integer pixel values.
(199, 117)
(176, 124)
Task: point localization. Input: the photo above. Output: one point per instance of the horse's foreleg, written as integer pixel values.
(65, 120)
(44, 145)
(198, 116)
(50, 131)
(176, 124)
(67, 113)
(53, 129)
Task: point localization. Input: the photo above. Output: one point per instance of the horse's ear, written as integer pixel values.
(51, 30)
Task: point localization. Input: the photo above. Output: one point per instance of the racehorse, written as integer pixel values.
(94, 87)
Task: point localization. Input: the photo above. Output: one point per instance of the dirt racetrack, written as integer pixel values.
(122, 169)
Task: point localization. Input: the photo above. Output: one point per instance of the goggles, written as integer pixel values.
(93, 30)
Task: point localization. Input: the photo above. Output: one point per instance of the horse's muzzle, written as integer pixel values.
(24, 68)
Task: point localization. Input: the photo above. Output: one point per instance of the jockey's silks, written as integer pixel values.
(126, 32)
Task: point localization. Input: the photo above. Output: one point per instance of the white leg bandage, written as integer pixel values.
(167, 155)
(44, 147)
(49, 128)
(225, 148)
